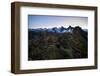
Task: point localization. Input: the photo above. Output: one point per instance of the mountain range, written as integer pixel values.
(57, 29)
(57, 43)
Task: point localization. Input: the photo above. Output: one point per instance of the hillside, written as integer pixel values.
(57, 43)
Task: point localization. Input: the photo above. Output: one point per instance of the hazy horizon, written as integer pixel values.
(43, 21)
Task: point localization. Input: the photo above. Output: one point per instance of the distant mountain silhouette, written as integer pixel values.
(57, 30)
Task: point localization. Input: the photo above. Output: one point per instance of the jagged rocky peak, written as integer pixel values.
(54, 28)
(77, 28)
(62, 29)
(70, 27)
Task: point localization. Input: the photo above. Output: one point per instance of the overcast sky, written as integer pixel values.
(41, 21)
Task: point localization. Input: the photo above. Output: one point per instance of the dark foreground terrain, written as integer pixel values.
(57, 43)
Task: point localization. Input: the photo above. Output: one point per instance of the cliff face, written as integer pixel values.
(62, 43)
